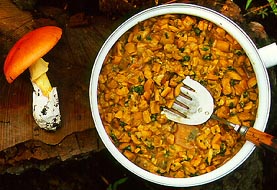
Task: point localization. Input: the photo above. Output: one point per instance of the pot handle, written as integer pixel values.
(268, 55)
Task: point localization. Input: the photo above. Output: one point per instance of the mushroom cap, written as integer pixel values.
(28, 49)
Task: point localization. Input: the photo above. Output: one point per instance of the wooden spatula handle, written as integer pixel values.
(261, 139)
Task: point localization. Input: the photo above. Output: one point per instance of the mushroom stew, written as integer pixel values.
(142, 74)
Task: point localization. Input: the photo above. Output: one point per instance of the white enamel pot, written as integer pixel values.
(260, 59)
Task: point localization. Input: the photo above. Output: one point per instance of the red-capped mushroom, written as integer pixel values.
(27, 53)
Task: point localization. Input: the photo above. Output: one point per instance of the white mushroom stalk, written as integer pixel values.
(46, 109)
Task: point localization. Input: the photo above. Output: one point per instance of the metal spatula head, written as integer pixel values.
(193, 106)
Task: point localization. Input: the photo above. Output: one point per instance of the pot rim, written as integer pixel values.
(251, 51)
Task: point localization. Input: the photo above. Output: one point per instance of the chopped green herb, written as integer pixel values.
(139, 37)
(115, 139)
(203, 82)
(233, 82)
(115, 68)
(245, 94)
(148, 38)
(205, 48)
(222, 149)
(197, 31)
(186, 159)
(162, 107)
(159, 171)
(138, 89)
(242, 104)
(167, 153)
(182, 49)
(151, 147)
(166, 35)
(193, 135)
(193, 175)
(122, 124)
(153, 117)
(186, 58)
(238, 52)
(141, 79)
(126, 104)
(232, 114)
(207, 162)
(127, 148)
(231, 105)
(142, 28)
(207, 57)
(211, 41)
(231, 68)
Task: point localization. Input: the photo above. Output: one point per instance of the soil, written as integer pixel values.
(101, 171)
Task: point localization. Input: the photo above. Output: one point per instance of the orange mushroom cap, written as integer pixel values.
(28, 49)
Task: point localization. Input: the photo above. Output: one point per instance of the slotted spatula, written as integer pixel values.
(195, 106)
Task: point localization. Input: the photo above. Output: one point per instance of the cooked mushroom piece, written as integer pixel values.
(27, 53)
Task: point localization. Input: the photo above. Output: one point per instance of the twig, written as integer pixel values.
(257, 9)
(271, 3)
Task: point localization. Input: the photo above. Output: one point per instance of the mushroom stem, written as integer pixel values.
(38, 76)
